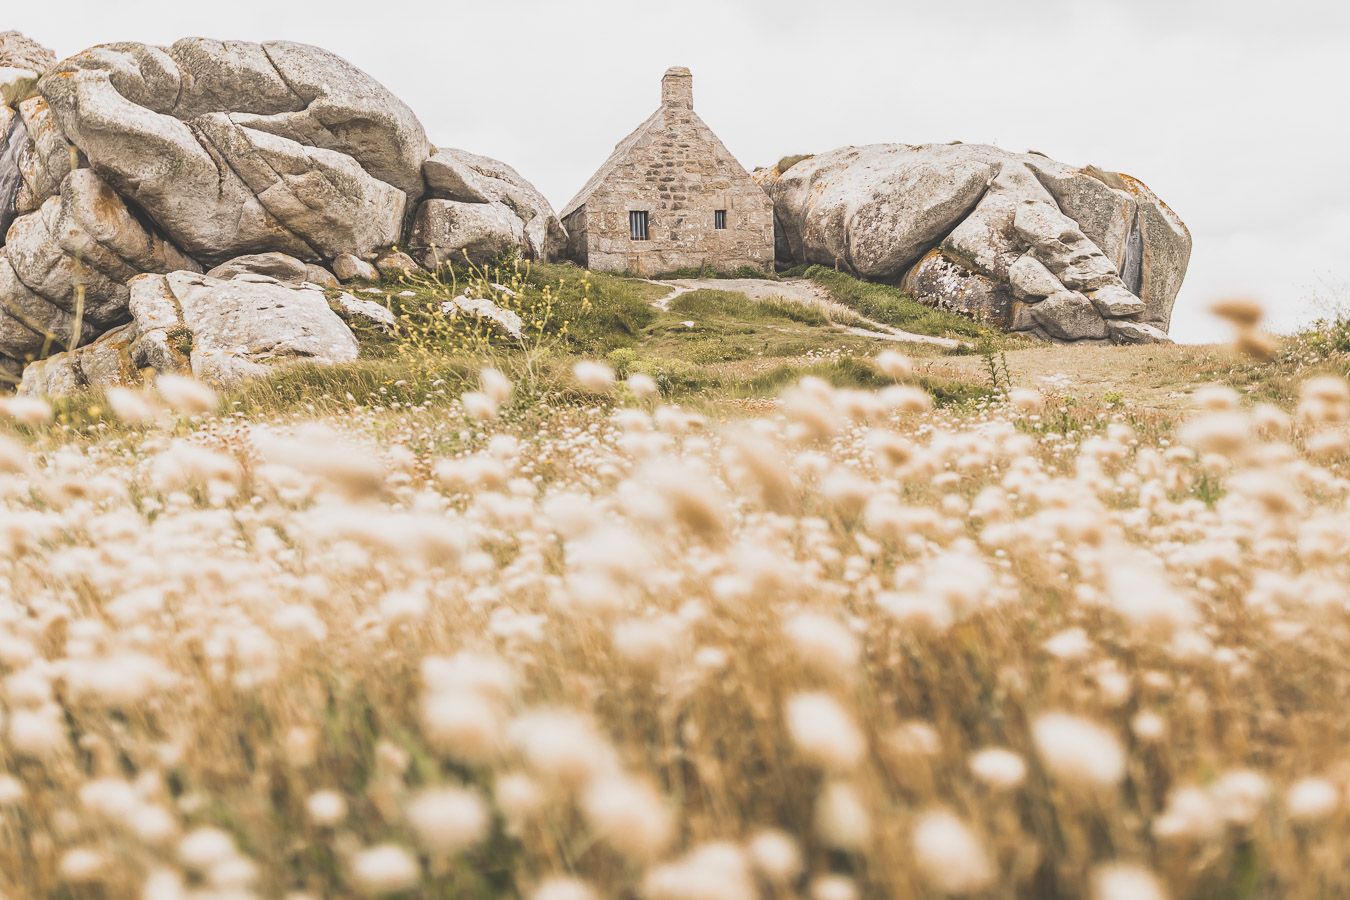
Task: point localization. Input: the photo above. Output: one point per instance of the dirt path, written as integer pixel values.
(800, 290)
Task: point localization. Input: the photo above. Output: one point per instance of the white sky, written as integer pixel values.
(1234, 112)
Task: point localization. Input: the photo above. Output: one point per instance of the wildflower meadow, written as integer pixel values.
(848, 644)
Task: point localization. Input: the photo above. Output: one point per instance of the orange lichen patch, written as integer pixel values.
(1137, 188)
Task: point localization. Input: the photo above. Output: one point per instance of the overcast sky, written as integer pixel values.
(1234, 112)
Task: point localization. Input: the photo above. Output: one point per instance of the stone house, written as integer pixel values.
(671, 197)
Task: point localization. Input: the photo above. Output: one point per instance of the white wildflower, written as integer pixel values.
(385, 869)
(448, 819)
(824, 732)
(950, 855)
(594, 376)
(1078, 751)
(999, 768)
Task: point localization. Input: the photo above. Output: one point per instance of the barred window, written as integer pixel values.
(637, 225)
(720, 219)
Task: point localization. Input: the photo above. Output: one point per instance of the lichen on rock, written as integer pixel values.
(989, 233)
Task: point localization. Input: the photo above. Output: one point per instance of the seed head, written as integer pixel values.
(186, 395)
(594, 376)
(448, 820)
(950, 855)
(999, 768)
(824, 732)
(842, 819)
(385, 869)
(326, 808)
(1125, 881)
(1312, 800)
(894, 365)
(1078, 751)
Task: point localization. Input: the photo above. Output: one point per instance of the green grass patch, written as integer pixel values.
(892, 306)
(791, 160)
(583, 312)
(727, 327)
(728, 304)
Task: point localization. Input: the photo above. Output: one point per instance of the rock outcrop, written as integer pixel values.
(478, 207)
(235, 148)
(18, 51)
(1018, 240)
(278, 167)
(221, 329)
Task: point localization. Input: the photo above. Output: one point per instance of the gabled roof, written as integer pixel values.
(621, 150)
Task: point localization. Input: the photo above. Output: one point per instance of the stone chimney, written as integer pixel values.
(677, 88)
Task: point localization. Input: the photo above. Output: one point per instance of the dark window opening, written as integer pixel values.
(720, 219)
(637, 225)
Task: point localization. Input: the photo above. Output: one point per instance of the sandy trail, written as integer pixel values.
(800, 290)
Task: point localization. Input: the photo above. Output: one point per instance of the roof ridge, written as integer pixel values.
(621, 149)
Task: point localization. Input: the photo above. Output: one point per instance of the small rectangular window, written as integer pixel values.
(720, 219)
(637, 225)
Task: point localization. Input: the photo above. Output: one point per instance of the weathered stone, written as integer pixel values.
(1069, 317)
(469, 178)
(1163, 251)
(103, 363)
(47, 157)
(320, 276)
(83, 245)
(339, 107)
(235, 148)
(283, 268)
(450, 178)
(942, 282)
(447, 231)
(348, 267)
(1104, 213)
(486, 310)
(13, 142)
(1022, 222)
(674, 169)
(1114, 302)
(234, 330)
(1019, 315)
(19, 51)
(1125, 331)
(163, 342)
(396, 264)
(30, 326)
(1039, 224)
(55, 376)
(876, 210)
(349, 307)
(1031, 280)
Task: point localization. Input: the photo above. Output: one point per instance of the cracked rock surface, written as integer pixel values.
(236, 148)
(1018, 240)
(224, 330)
(276, 159)
(478, 205)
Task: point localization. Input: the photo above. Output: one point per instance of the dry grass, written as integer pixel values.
(570, 641)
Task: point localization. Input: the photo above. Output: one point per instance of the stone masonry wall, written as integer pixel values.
(680, 174)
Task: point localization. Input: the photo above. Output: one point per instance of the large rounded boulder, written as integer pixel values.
(1018, 240)
(130, 159)
(235, 148)
(478, 208)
